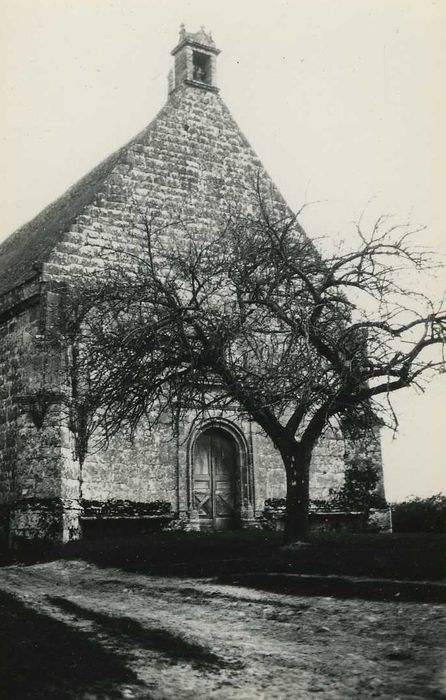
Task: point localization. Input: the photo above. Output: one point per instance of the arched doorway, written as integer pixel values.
(215, 479)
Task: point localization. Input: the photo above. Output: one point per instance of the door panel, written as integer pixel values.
(202, 501)
(214, 478)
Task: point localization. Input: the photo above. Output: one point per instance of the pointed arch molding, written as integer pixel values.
(245, 470)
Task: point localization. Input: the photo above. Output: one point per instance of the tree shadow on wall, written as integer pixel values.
(44, 658)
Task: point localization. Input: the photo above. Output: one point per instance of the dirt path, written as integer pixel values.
(77, 631)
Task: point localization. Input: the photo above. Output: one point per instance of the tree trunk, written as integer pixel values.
(297, 467)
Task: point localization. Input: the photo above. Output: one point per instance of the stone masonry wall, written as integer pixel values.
(326, 471)
(191, 164)
(30, 453)
(141, 470)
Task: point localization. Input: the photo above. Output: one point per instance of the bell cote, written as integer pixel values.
(195, 61)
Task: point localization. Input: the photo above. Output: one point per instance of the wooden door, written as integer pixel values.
(214, 479)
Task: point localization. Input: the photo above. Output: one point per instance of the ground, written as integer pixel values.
(72, 629)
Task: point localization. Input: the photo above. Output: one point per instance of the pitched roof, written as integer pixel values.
(24, 251)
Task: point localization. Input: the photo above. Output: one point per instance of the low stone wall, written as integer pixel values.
(121, 518)
(338, 522)
(43, 521)
(375, 520)
(117, 508)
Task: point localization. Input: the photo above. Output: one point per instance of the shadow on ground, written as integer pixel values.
(409, 556)
(29, 668)
(173, 647)
(412, 557)
(341, 587)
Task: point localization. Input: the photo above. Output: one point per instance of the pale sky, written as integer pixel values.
(343, 101)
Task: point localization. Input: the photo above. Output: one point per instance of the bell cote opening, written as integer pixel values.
(201, 67)
(195, 61)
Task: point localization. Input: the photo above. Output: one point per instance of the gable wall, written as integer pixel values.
(193, 164)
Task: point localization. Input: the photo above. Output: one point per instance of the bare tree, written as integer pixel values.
(255, 317)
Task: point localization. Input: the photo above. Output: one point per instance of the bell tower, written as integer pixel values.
(195, 61)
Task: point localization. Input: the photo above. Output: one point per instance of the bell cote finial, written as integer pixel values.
(195, 60)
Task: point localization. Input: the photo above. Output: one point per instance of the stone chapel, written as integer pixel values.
(220, 469)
